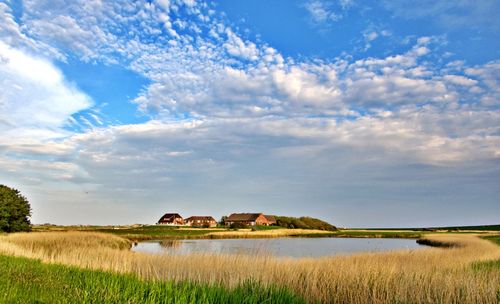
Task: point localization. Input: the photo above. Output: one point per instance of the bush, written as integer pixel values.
(15, 211)
(303, 223)
(238, 226)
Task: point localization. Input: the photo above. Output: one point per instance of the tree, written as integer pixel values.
(15, 210)
(222, 221)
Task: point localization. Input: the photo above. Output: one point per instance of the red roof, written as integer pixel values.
(170, 217)
(200, 218)
(243, 217)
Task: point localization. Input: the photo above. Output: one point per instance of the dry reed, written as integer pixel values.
(432, 275)
(248, 233)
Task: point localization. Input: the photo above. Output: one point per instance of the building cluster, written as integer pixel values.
(250, 219)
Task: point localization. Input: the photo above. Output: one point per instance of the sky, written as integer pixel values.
(361, 113)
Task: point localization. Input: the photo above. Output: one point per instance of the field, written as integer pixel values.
(465, 273)
(156, 232)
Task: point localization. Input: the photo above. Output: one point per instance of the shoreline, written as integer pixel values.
(154, 232)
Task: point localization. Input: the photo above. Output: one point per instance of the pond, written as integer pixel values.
(281, 247)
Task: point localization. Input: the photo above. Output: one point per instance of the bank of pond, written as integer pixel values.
(100, 268)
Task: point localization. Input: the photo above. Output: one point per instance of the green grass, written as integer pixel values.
(30, 281)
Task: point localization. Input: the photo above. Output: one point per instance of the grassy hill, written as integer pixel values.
(304, 222)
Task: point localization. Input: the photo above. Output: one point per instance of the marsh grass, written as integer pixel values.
(266, 233)
(25, 280)
(432, 275)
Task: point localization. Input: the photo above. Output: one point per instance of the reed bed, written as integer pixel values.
(432, 275)
(248, 233)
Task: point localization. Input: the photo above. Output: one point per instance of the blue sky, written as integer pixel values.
(362, 113)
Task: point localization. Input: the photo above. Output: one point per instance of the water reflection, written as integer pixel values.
(289, 247)
(170, 243)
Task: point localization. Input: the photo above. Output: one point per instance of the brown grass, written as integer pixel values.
(432, 275)
(248, 233)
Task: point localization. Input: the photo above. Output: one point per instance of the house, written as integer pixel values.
(250, 219)
(202, 221)
(271, 219)
(171, 219)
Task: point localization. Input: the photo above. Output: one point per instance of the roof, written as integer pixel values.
(170, 216)
(270, 218)
(241, 217)
(200, 218)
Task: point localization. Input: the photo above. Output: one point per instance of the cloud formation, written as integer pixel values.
(232, 118)
(35, 100)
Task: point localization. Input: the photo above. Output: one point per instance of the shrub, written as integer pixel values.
(238, 226)
(303, 223)
(15, 211)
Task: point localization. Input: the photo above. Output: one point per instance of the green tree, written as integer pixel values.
(15, 210)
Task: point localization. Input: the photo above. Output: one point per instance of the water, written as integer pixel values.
(281, 247)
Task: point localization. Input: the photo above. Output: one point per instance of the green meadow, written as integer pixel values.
(25, 280)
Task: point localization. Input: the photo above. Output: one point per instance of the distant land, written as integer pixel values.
(495, 227)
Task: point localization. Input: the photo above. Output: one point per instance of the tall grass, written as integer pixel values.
(432, 275)
(267, 233)
(29, 281)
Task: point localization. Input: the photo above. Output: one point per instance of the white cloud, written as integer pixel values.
(279, 87)
(320, 13)
(13, 34)
(237, 47)
(35, 100)
(459, 80)
(489, 74)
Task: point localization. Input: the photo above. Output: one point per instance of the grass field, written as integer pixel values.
(467, 273)
(25, 280)
(156, 232)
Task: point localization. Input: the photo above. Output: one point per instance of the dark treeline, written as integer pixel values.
(304, 222)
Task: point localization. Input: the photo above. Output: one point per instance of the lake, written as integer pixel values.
(281, 247)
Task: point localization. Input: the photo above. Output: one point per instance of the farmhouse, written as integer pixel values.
(171, 219)
(203, 221)
(251, 219)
